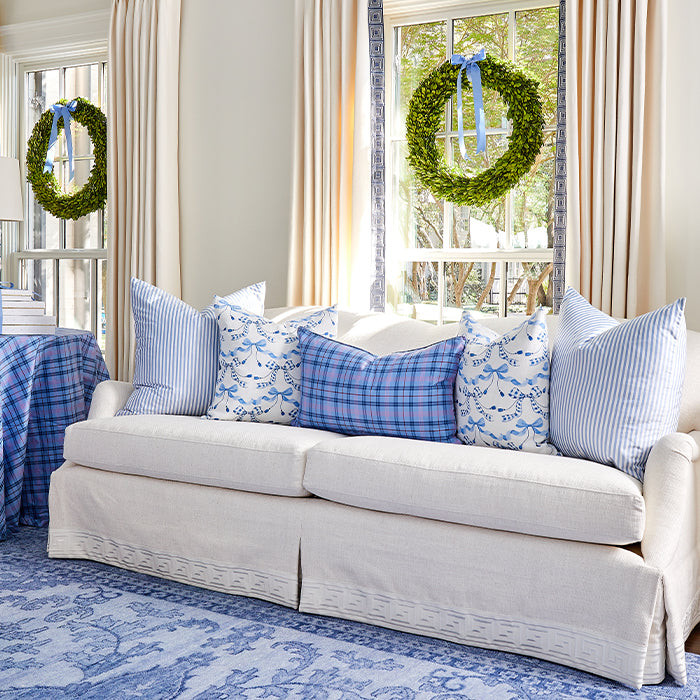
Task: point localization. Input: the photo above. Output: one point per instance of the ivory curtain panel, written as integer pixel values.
(144, 217)
(615, 99)
(329, 246)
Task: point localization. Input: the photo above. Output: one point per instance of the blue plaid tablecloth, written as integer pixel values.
(46, 383)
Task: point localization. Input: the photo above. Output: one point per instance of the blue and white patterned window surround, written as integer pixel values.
(376, 10)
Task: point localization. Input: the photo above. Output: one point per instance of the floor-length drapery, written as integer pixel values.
(329, 244)
(144, 217)
(615, 99)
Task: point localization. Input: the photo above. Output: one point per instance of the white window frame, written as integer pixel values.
(400, 13)
(24, 253)
(42, 45)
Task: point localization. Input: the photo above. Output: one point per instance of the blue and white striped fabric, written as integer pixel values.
(502, 387)
(406, 394)
(615, 388)
(177, 349)
(260, 365)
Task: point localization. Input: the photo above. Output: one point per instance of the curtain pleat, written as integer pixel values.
(329, 240)
(143, 191)
(616, 54)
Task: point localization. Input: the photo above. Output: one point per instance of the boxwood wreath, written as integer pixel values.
(426, 117)
(93, 194)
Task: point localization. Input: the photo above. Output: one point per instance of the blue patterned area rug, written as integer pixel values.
(75, 629)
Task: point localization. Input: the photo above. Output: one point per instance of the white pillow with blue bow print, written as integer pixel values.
(260, 365)
(502, 387)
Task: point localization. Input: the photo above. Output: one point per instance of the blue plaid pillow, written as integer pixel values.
(407, 394)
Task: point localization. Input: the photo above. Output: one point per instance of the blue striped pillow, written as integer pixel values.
(615, 388)
(177, 349)
(406, 394)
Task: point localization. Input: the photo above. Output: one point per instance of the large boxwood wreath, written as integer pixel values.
(93, 194)
(426, 116)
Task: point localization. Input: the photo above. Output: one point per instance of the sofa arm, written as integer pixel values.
(109, 396)
(669, 496)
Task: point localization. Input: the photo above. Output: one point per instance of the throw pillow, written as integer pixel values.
(259, 365)
(406, 394)
(177, 349)
(616, 387)
(502, 387)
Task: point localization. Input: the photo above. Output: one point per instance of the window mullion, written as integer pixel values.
(503, 291)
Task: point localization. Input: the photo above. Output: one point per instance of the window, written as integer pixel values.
(442, 257)
(63, 261)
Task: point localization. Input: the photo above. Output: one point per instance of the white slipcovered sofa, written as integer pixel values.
(558, 558)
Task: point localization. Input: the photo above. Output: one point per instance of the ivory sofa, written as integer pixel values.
(558, 558)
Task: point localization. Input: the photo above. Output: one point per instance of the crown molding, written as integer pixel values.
(82, 33)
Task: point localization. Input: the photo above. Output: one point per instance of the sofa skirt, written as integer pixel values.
(217, 538)
(597, 608)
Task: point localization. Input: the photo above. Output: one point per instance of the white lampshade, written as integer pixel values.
(11, 208)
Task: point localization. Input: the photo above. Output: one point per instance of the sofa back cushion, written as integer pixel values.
(407, 394)
(177, 349)
(615, 387)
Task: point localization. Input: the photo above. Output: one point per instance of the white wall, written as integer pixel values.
(235, 146)
(683, 157)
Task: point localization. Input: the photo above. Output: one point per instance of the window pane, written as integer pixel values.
(83, 232)
(480, 227)
(82, 81)
(42, 92)
(43, 228)
(419, 283)
(417, 213)
(38, 276)
(474, 286)
(82, 145)
(529, 286)
(74, 311)
(537, 44)
(533, 202)
(420, 49)
(489, 32)
(496, 146)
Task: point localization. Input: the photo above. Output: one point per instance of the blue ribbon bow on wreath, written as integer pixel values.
(61, 111)
(471, 65)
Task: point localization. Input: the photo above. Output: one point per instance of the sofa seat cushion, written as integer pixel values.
(259, 457)
(534, 494)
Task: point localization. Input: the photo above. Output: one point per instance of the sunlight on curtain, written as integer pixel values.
(616, 63)
(329, 248)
